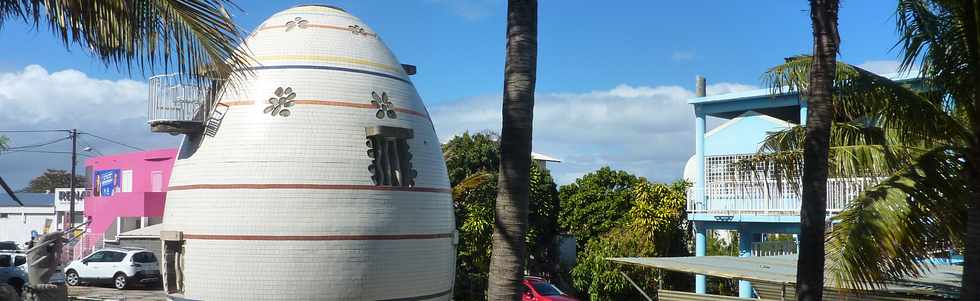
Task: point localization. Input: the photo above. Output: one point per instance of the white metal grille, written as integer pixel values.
(174, 98)
(730, 191)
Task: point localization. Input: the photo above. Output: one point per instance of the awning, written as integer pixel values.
(939, 281)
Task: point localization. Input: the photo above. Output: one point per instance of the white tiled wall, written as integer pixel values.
(315, 144)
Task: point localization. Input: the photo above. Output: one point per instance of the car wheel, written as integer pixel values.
(71, 278)
(119, 281)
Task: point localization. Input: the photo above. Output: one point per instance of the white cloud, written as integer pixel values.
(881, 66)
(34, 98)
(647, 130)
(682, 56)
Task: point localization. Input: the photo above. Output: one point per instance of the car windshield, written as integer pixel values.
(546, 289)
(144, 257)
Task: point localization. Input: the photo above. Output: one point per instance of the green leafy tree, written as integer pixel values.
(722, 247)
(473, 198)
(51, 179)
(655, 225)
(3, 143)
(468, 154)
(596, 203)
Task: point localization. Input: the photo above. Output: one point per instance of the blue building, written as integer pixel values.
(723, 199)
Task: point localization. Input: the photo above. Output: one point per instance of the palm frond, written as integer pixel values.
(196, 37)
(889, 231)
(934, 37)
(863, 95)
(471, 182)
(857, 151)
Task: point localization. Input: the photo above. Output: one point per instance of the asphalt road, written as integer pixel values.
(109, 293)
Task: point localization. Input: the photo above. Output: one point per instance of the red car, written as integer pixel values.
(538, 289)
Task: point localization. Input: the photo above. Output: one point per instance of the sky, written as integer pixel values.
(612, 84)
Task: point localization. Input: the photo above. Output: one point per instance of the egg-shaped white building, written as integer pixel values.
(318, 177)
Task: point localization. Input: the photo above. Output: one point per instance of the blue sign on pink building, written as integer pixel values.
(107, 181)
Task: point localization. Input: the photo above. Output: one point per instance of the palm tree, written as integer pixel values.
(509, 250)
(197, 37)
(826, 41)
(908, 150)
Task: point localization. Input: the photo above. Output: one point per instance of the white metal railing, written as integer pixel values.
(766, 197)
(172, 97)
(731, 190)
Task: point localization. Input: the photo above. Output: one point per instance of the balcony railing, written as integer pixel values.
(730, 189)
(766, 197)
(177, 104)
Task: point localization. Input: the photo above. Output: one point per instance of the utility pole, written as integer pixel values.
(71, 202)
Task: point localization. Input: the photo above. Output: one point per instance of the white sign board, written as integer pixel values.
(62, 199)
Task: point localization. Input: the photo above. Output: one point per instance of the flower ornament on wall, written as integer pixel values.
(357, 30)
(278, 104)
(297, 22)
(385, 107)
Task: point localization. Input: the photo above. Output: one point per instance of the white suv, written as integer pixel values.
(120, 266)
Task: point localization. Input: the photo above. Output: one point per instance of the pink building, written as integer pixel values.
(128, 192)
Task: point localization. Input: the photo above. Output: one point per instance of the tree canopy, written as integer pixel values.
(596, 203)
(653, 224)
(473, 202)
(51, 179)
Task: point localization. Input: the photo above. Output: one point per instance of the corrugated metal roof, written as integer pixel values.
(941, 280)
(30, 199)
(543, 157)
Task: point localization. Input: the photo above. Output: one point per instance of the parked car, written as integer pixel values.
(121, 267)
(13, 269)
(6, 246)
(539, 289)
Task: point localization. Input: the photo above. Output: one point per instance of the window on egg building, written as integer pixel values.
(391, 163)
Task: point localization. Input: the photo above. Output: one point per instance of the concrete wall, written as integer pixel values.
(151, 244)
(741, 135)
(16, 223)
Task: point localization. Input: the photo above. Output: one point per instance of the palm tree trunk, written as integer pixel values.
(509, 250)
(970, 283)
(809, 273)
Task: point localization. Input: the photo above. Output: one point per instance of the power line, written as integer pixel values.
(38, 144)
(111, 141)
(43, 152)
(32, 131)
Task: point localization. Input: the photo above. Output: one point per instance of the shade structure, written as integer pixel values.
(774, 277)
(319, 175)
